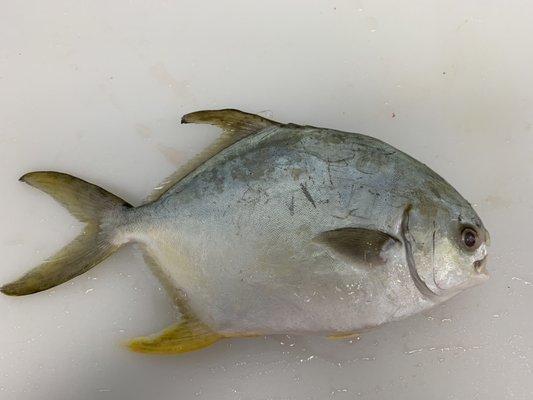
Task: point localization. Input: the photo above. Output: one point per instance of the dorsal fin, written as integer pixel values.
(236, 125)
(234, 122)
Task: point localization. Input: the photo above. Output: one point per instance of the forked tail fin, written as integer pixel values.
(99, 209)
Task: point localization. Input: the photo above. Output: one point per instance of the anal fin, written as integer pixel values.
(188, 335)
(344, 335)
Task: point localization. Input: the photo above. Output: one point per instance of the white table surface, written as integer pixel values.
(96, 88)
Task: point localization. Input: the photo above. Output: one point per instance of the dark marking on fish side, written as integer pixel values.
(248, 188)
(434, 190)
(291, 206)
(307, 194)
(343, 160)
(352, 191)
(329, 172)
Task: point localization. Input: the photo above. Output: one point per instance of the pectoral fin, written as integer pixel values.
(188, 335)
(357, 245)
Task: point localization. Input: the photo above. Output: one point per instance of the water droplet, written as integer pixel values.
(335, 391)
(516, 278)
(266, 113)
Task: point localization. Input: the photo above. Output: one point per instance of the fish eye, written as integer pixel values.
(470, 238)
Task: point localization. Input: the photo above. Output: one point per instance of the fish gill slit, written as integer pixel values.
(417, 280)
(433, 243)
(433, 260)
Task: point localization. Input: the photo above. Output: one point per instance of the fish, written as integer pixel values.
(278, 229)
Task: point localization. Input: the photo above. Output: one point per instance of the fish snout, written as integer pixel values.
(480, 266)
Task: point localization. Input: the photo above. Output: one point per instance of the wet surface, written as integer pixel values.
(97, 91)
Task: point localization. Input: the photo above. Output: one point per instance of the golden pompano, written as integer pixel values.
(279, 228)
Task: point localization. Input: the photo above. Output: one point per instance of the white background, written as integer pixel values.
(96, 89)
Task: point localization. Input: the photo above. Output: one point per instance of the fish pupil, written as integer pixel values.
(469, 238)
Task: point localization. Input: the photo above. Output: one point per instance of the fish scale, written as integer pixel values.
(279, 228)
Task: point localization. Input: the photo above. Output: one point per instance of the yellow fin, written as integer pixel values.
(344, 335)
(235, 122)
(236, 125)
(188, 335)
(86, 202)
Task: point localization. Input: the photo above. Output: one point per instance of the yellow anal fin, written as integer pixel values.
(188, 335)
(344, 335)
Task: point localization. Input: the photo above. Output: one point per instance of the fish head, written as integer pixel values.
(446, 245)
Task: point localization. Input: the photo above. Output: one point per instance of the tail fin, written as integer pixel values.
(88, 203)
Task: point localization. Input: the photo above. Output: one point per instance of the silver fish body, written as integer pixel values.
(304, 230)
(237, 235)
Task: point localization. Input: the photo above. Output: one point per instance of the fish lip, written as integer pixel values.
(487, 237)
(481, 267)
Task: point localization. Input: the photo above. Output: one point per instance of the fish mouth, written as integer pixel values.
(480, 267)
